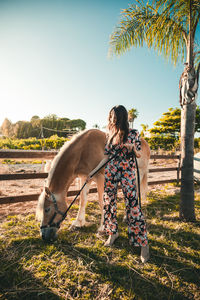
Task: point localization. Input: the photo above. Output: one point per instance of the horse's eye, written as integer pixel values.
(47, 209)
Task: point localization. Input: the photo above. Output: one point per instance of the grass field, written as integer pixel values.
(78, 266)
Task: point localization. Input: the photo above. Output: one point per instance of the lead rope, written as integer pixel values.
(65, 213)
(138, 179)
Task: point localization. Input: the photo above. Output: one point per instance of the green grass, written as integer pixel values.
(18, 162)
(78, 266)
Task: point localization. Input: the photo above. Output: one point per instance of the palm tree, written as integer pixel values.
(132, 115)
(144, 129)
(169, 26)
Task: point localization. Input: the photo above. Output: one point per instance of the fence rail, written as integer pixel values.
(27, 154)
(30, 154)
(44, 175)
(50, 154)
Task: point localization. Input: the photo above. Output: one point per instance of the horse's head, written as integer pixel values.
(50, 211)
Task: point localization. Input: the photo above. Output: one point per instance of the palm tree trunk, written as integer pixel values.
(188, 114)
(187, 153)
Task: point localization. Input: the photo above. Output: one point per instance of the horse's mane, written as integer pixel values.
(75, 139)
(68, 144)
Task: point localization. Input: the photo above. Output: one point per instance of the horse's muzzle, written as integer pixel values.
(49, 234)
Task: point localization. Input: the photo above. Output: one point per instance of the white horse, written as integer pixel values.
(76, 159)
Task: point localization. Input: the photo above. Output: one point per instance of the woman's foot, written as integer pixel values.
(111, 239)
(144, 254)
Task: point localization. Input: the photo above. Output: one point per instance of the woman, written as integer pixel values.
(122, 169)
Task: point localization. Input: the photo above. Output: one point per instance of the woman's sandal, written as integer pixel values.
(144, 254)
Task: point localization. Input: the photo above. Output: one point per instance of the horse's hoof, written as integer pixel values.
(77, 224)
(72, 228)
(101, 229)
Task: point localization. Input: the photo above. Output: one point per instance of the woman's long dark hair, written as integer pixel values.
(118, 126)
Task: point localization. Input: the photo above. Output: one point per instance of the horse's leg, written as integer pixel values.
(80, 219)
(100, 188)
(144, 187)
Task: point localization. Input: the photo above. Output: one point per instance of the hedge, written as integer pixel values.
(54, 142)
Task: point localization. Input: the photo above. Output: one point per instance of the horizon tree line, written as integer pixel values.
(40, 128)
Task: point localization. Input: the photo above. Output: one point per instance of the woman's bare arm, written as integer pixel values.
(102, 162)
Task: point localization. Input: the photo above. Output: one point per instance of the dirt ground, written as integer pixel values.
(34, 186)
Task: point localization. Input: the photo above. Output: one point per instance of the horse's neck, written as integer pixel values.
(63, 173)
(60, 187)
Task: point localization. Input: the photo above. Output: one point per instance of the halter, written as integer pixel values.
(57, 211)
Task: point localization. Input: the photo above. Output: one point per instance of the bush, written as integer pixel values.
(162, 142)
(54, 142)
(167, 142)
(197, 143)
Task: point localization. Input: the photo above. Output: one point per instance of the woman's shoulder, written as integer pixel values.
(133, 135)
(133, 131)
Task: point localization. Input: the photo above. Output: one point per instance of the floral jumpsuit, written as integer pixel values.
(122, 169)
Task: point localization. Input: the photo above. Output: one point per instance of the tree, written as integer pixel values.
(132, 115)
(144, 129)
(23, 129)
(45, 127)
(170, 123)
(76, 124)
(169, 26)
(35, 118)
(7, 128)
(51, 117)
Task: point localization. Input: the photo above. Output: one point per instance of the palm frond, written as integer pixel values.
(162, 26)
(131, 30)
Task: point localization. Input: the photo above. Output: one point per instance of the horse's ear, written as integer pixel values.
(47, 191)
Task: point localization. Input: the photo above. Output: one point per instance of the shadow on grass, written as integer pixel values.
(15, 281)
(160, 205)
(119, 275)
(175, 254)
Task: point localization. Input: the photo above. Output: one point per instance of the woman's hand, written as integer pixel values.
(137, 153)
(98, 167)
(89, 177)
(131, 147)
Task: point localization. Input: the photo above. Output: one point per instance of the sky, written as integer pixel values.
(54, 60)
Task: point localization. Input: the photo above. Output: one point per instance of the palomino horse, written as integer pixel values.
(76, 159)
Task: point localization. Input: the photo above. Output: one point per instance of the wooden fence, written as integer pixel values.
(33, 154)
(195, 170)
